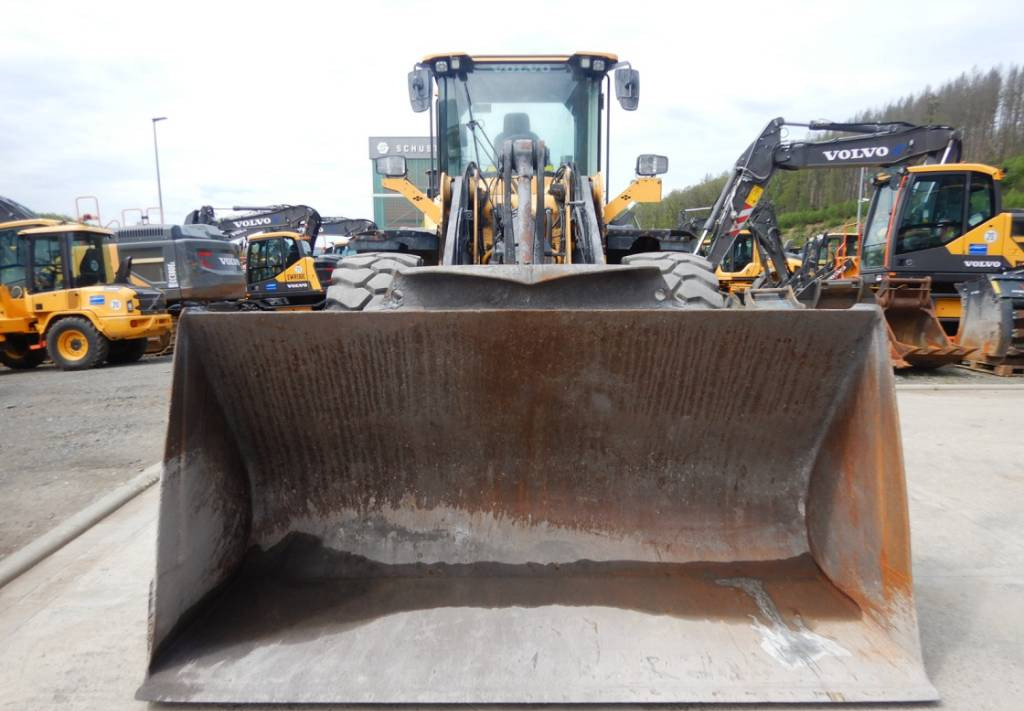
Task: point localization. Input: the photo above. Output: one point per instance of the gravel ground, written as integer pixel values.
(69, 438)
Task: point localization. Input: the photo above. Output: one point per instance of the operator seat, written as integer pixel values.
(516, 126)
(89, 268)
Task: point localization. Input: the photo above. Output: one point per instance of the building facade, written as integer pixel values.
(391, 210)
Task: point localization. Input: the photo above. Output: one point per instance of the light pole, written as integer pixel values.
(156, 155)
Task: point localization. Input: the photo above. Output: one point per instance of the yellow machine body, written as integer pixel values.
(280, 272)
(39, 292)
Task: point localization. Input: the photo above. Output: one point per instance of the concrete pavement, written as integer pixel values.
(74, 627)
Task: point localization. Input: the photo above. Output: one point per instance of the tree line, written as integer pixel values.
(987, 105)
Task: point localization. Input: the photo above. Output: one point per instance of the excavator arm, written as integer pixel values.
(874, 144)
(300, 218)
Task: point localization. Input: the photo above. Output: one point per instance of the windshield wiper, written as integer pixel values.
(473, 125)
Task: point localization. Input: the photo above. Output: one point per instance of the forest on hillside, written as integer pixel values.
(987, 105)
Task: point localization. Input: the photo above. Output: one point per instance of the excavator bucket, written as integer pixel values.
(836, 294)
(534, 506)
(915, 333)
(992, 322)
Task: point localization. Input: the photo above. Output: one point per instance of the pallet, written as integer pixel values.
(1003, 369)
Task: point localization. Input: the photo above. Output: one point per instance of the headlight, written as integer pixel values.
(649, 164)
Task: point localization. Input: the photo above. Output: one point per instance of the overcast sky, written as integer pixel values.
(273, 102)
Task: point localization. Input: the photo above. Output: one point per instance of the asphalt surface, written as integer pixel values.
(68, 438)
(76, 624)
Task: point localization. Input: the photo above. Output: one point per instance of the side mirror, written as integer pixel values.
(419, 89)
(124, 271)
(627, 88)
(391, 166)
(649, 164)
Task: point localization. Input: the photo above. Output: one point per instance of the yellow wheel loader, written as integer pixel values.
(529, 475)
(64, 295)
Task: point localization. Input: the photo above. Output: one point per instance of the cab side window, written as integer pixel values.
(47, 264)
(934, 214)
(741, 254)
(981, 202)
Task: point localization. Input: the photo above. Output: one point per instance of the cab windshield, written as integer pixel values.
(13, 257)
(551, 102)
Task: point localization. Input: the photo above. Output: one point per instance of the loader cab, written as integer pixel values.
(61, 256)
(484, 101)
(14, 250)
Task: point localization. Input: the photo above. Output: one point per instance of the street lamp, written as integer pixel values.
(156, 155)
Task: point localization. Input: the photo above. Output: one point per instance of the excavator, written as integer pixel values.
(945, 224)
(193, 265)
(531, 475)
(278, 240)
(916, 335)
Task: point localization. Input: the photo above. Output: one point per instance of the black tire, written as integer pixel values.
(15, 353)
(127, 351)
(689, 278)
(73, 343)
(360, 283)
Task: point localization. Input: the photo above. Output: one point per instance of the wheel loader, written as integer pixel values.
(64, 295)
(529, 475)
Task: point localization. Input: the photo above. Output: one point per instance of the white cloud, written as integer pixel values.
(273, 102)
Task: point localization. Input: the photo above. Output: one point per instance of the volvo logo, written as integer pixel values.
(856, 153)
(253, 222)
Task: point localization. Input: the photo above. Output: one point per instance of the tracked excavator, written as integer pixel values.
(277, 242)
(529, 475)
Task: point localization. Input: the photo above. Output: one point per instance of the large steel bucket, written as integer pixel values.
(992, 322)
(534, 506)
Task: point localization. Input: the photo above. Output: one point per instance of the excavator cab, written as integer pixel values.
(942, 221)
(280, 273)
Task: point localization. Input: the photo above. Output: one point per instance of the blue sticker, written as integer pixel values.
(978, 249)
(272, 286)
(96, 300)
